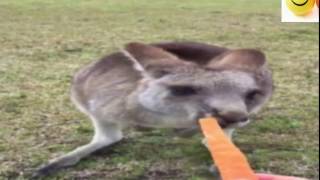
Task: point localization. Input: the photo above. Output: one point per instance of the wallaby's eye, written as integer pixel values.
(183, 90)
(252, 95)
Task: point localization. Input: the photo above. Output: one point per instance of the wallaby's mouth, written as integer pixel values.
(224, 123)
(237, 124)
(227, 124)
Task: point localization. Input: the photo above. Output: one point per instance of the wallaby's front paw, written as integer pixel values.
(214, 170)
(205, 142)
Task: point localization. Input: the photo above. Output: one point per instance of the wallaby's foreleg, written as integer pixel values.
(105, 135)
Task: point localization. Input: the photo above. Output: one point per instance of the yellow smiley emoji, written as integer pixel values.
(300, 7)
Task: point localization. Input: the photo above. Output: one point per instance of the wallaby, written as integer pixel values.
(166, 85)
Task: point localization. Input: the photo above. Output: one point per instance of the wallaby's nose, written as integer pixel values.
(231, 117)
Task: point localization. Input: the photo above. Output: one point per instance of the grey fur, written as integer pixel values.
(141, 87)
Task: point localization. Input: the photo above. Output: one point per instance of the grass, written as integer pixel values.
(44, 42)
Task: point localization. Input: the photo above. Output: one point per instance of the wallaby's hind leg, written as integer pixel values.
(105, 134)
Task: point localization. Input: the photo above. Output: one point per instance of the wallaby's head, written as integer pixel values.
(231, 86)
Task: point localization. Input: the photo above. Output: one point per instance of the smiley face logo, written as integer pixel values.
(299, 4)
(300, 7)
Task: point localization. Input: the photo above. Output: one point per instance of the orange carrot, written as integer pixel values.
(232, 164)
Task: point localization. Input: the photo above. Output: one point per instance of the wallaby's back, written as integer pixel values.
(113, 76)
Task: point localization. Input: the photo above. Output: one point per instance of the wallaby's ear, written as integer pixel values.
(147, 58)
(241, 59)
